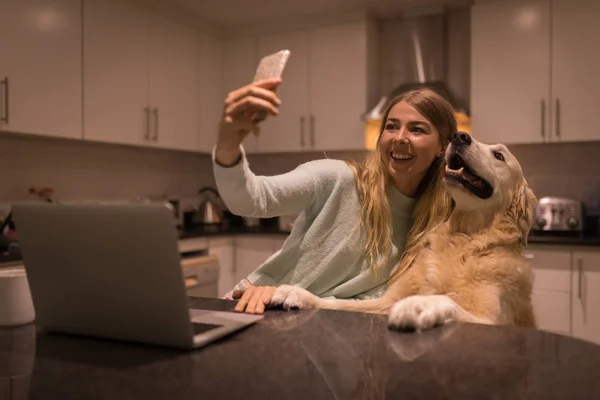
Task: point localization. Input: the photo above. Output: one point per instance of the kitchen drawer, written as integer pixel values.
(552, 311)
(551, 269)
(201, 275)
(193, 244)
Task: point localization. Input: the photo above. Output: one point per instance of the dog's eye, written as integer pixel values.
(499, 156)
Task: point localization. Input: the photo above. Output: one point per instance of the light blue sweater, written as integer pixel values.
(325, 251)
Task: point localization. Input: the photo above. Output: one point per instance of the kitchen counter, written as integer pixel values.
(587, 239)
(309, 354)
(232, 230)
(583, 240)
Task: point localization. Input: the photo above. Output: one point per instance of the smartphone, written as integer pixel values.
(269, 67)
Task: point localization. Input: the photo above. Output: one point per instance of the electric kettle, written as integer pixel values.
(210, 211)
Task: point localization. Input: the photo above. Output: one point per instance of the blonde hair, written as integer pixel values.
(433, 204)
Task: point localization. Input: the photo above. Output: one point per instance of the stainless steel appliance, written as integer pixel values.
(559, 214)
(210, 210)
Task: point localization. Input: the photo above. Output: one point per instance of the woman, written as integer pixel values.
(356, 219)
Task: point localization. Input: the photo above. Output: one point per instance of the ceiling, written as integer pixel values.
(223, 14)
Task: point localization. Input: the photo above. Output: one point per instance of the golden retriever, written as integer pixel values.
(472, 267)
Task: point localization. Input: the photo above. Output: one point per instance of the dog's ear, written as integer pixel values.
(522, 209)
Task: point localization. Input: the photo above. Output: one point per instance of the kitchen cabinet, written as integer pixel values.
(533, 74)
(139, 77)
(339, 86)
(510, 72)
(240, 255)
(210, 91)
(40, 67)
(575, 66)
(586, 295)
(116, 91)
(289, 130)
(224, 248)
(250, 253)
(239, 66)
(551, 295)
(173, 88)
(327, 85)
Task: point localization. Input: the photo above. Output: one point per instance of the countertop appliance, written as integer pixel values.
(559, 214)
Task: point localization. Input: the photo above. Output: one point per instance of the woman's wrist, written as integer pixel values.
(227, 154)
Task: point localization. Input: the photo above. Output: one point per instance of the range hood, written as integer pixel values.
(427, 47)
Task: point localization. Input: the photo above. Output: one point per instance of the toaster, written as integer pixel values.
(559, 214)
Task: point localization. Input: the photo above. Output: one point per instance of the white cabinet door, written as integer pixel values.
(510, 71)
(586, 295)
(40, 67)
(224, 249)
(575, 66)
(115, 72)
(287, 131)
(338, 87)
(250, 253)
(210, 90)
(551, 296)
(239, 67)
(173, 84)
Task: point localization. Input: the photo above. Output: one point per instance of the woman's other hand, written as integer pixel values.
(241, 107)
(253, 299)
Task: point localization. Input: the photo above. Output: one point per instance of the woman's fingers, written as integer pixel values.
(241, 305)
(249, 104)
(252, 90)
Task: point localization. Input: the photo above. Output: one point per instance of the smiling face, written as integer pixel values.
(408, 145)
(478, 173)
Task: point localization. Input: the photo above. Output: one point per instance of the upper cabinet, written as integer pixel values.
(339, 86)
(210, 90)
(173, 84)
(116, 91)
(575, 66)
(239, 66)
(533, 70)
(289, 130)
(325, 88)
(140, 78)
(510, 92)
(40, 67)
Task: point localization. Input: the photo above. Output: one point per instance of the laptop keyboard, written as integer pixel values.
(200, 327)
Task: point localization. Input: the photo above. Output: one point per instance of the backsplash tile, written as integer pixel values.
(553, 169)
(80, 170)
(83, 170)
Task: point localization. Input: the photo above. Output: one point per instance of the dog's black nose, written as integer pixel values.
(461, 138)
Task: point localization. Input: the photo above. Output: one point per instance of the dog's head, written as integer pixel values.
(488, 178)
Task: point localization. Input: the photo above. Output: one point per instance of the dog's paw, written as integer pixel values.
(421, 312)
(293, 298)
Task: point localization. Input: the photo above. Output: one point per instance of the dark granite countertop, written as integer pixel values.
(534, 238)
(310, 354)
(231, 230)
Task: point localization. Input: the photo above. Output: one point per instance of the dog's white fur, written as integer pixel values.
(472, 268)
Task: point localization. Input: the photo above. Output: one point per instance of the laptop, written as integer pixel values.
(113, 271)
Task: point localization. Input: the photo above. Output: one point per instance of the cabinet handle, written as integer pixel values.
(557, 118)
(4, 83)
(580, 273)
(302, 142)
(312, 131)
(529, 256)
(543, 125)
(147, 112)
(155, 111)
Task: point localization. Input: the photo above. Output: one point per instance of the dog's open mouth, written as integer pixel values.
(458, 172)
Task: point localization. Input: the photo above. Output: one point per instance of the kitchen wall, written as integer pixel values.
(560, 169)
(80, 170)
(97, 171)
